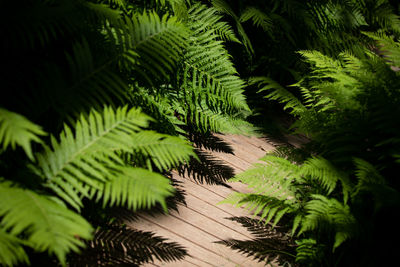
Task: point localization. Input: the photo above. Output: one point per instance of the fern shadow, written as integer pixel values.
(270, 244)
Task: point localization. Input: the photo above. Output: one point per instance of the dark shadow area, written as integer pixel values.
(208, 170)
(210, 142)
(269, 243)
(119, 246)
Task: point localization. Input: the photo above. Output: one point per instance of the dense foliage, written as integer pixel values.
(98, 101)
(102, 98)
(339, 190)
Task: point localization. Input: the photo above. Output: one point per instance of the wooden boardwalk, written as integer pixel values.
(202, 222)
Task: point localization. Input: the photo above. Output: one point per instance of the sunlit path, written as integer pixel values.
(202, 222)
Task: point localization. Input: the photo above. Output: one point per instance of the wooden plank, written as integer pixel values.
(215, 214)
(200, 243)
(198, 253)
(210, 197)
(245, 144)
(203, 221)
(237, 163)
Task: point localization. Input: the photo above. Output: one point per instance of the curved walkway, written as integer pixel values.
(202, 222)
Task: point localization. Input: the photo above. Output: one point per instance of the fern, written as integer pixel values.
(11, 250)
(278, 93)
(328, 176)
(44, 221)
(163, 150)
(224, 7)
(159, 42)
(88, 158)
(15, 130)
(136, 188)
(96, 137)
(322, 210)
(259, 18)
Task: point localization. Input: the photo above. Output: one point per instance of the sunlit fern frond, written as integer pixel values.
(44, 223)
(15, 130)
(86, 156)
(164, 151)
(135, 188)
(390, 49)
(274, 177)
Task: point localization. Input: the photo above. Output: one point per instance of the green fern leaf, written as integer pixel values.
(45, 222)
(11, 250)
(15, 129)
(165, 151)
(159, 42)
(278, 93)
(136, 188)
(328, 176)
(85, 157)
(324, 212)
(259, 18)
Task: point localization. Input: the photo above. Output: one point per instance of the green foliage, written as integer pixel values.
(17, 130)
(76, 71)
(338, 200)
(309, 196)
(47, 224)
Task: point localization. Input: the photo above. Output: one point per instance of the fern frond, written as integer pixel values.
(163, 150)
(161, 108)
(308, 250)
(224, 7)
(325, 212)
(136, 188)
(15, 129)
(84, 157)
(274, 178)
(269, 209)
(11, 250)
(44, 221)
(259, 18)
(327, 175)
(159, 42)
(390, 49)
(278, 93)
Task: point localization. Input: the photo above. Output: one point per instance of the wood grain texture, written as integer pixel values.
(202, 222)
